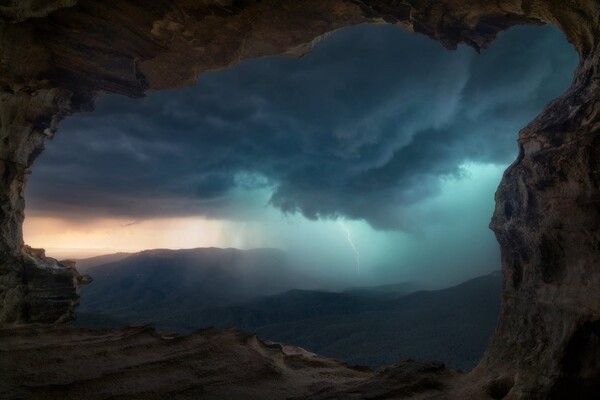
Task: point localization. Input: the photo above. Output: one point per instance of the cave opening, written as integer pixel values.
(398, 139)
(59, 58)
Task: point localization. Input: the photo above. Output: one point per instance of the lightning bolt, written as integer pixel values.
(349, 236)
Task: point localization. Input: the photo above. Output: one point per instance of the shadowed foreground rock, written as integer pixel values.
(58, 56)
(137, 363)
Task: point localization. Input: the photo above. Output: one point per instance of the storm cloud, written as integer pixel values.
(366, 126)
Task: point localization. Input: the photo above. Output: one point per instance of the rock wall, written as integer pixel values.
(547, 220)
(33, 288)
(59, 56)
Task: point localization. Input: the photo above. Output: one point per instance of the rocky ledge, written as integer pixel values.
(61, 362)
(35, 288)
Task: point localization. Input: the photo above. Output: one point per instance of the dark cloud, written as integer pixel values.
(364, 125)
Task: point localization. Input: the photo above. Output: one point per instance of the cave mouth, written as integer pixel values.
(58, 58)
(135, 167)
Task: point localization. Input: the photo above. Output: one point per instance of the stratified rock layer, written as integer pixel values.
(137, 363)
(58, 56)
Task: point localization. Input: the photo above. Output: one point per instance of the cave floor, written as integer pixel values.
(63, 362)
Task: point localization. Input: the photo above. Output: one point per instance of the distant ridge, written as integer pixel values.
(84, 264)
(186, 290)
(150, 285)
(453, 324)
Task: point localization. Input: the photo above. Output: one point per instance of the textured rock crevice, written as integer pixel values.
(57, 58)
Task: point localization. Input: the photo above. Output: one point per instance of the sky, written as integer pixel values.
(377, 131)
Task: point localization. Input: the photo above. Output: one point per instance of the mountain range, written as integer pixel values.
(252, 290)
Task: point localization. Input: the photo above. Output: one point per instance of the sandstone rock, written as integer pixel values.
(69, 263)
(38, 289)
(19, 10)
(139, 363)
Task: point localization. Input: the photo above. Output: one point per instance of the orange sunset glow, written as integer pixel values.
(65, 238)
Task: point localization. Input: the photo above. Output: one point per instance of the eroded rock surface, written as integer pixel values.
(38, 288)
(138, 363)
(58, 56)
(547, 220)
